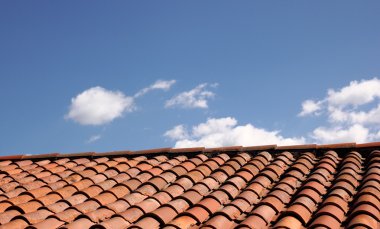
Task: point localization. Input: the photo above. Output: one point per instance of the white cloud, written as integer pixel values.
(355, 133)
(158, 85)
(345, 105)
(337, 115)
(177, 133)
(353, 112)
(357, 93)
(216, 132)
(93, 138)
(310, 107)
(371, 116)
(97, 106)
(195, 98)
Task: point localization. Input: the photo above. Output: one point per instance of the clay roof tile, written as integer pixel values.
(333, 185)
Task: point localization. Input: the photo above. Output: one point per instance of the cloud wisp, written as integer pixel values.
(158, 85)
(94, 138)
(310, 107)
(353, 113)
(216, 132)
(195, 98)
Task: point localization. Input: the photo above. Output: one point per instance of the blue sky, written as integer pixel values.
(252, 65)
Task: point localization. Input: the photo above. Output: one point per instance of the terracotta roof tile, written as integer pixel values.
(297, 147)
(302, 186)
(348, 145)
(113, 223)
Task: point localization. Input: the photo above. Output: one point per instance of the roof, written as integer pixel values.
(311, 186)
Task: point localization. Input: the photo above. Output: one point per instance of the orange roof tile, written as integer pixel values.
(330, 186)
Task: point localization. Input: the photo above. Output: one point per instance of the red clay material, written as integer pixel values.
(301, 186)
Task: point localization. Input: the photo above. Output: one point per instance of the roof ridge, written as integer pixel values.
(169, 150)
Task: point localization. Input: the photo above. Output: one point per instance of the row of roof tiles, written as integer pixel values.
(306, 147)
(243, 190)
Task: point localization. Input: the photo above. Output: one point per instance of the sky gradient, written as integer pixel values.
(259, 61)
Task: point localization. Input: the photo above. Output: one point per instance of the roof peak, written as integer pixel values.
(169, 150)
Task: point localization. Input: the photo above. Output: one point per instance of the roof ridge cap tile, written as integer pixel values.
(346, 145)
(40, 156)
(343, 145)
(223, 149)
(188, 150)
(368, 145)
(11, 157)
(260, 147)
(113, 153)
(299, 147)
(80, 154)
(151, 151)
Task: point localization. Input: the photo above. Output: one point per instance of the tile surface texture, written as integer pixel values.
(309, 186)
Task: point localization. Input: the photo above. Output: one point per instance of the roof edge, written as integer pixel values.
(368, 145)
(169, 150)
(298, 147)
(256, 148)
(345, 145)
